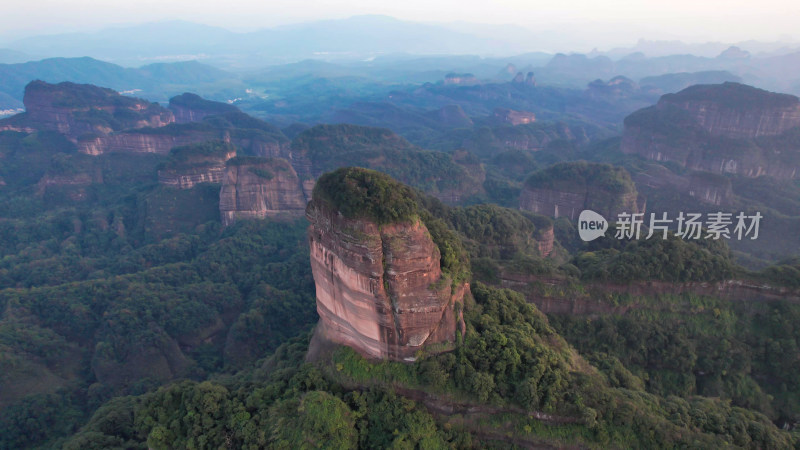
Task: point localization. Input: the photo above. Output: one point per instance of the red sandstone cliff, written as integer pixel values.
(727, 128)
(380, 289)
(78, 109)
(259, 188)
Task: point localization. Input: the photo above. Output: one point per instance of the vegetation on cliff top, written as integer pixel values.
(733, 95)
(74, 95)
(363, 193)
(582, 176)
(203, 153)
(195, 102)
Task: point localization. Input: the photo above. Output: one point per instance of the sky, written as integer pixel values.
(612, 20)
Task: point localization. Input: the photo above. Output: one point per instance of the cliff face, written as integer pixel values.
(566, 189)
(259, 188)
(136, 142)
(737, 111)
(726, 128)
(463, 79)
(380, 289)
(514, 117)
(77, 109)
(195, 169)
(546, 241)
(189, 107)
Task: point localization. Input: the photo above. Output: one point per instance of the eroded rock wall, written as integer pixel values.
(268, 188)
(380, 290)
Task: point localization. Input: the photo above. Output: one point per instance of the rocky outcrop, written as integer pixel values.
(710, 188)
(553, 203)
(78, 109)
(528, 79)
(726, 128)
(257, 188)
(189, 107)
(737, 111)
(706, 187)
(545, 241)
(142, 141)
(380, 288)
(514, 117)
(566, 189)
(195, 164)
(462, 79)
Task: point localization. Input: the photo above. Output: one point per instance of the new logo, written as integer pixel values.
(591, 225)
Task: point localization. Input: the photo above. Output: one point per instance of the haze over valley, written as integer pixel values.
(283, 226)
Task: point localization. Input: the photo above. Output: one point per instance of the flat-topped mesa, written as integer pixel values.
(189, 107)
(190, 165)
(322, 148)
(736, 110)
(257, 188)
(566, 189)
(78, 109)
(721, 128)
(380, 286)
(251, 135)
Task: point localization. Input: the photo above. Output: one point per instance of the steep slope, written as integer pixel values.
(566, 189)
(725, 128)
(380, 285)
(255, 187)
(79, 109)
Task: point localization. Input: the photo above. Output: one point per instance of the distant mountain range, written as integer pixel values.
(356, 38)
(155, 82)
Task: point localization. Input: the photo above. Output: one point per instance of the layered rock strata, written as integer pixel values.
(380, 289)
(78, 109)
(726, 128)
(257, 188)
(566, 189)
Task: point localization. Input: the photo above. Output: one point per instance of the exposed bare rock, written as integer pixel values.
(514, 117)
(709, 188)
(77, 109)
(189, 107)
(546, 241)
(142, 141)
(530, 79)
(194, 164)
(727, 128)
(706, 187)
(566, 189)
(380, 288)
(462, 79)
(258, 188)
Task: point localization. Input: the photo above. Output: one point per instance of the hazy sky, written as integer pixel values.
(691, 20)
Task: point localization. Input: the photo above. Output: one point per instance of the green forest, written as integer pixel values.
(131, 318)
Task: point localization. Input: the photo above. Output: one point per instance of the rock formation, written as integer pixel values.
(380, 287)
(257, 188)
(566, 189)
(159, 141)
(545, 241)
(193, 164)
(710, 188)
(514, 117)
(462, 79)
(527, 79)
(726, 128)
(189, 107)
(78, 109)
